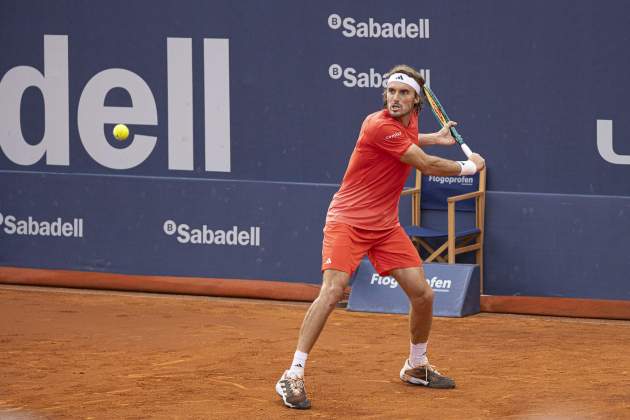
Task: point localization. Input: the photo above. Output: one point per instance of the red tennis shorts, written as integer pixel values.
(344, 246)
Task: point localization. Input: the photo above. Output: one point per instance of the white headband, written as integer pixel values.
(403, 78)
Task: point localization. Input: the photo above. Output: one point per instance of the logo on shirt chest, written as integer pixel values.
(393, 135)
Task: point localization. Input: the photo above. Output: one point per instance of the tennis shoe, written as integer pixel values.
(425, 375)
(292, 391)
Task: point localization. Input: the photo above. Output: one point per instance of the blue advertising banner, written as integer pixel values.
(455, 289)
(537, 83)
(234, 108)
(557, 245)
(171, 227)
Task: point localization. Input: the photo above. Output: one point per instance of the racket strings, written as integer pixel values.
(437, 111)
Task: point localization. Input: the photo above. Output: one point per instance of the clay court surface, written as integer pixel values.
(109, 355)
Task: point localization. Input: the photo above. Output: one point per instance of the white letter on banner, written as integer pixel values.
(92, 114)
(180, 103)
(53, 85)
(216, 80)
(605, 144)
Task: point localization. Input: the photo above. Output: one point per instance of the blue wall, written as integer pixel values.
(528, 82)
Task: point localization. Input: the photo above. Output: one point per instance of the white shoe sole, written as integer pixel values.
(279, 390)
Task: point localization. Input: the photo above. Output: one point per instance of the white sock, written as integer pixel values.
(418, 354)
(298, 364)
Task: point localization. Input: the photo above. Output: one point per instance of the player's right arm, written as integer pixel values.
(433, 165)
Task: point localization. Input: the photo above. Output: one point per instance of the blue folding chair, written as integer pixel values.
(452, 212)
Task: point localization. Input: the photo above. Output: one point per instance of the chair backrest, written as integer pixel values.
(431, 202)
(437, 189)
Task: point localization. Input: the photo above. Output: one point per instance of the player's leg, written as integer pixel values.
(397, 256)
(330, 294)
(340, 256)
(420, 295)
(291, 385)
(417, 370)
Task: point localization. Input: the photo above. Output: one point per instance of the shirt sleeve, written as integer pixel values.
(390, 139)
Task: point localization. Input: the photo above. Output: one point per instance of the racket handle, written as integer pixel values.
(466, 150)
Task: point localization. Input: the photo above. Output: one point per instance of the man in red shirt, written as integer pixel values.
(363, 219)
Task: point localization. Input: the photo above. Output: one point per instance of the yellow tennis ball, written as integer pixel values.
(121, 132)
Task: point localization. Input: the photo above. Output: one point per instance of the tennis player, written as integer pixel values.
(363, 219)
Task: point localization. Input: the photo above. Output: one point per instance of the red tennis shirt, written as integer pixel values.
(370, 191)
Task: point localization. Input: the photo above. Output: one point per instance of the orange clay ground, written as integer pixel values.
(108, 355)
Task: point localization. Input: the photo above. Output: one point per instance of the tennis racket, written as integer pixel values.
(440, 115)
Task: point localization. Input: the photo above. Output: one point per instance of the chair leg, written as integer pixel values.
(451, 250)
(437, 254)
(434, 254)
(479, 258)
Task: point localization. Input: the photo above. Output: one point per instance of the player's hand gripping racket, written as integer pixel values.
(440, 115)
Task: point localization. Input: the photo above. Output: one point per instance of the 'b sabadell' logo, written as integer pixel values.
(351, 28)
(29, 226)
(204, 235)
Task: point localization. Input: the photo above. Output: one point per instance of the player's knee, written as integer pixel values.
(422, 298)
(333, 286)
(331, 294)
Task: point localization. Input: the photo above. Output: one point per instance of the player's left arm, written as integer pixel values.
(439, 138)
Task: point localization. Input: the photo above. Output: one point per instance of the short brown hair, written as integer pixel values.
(411, 72)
